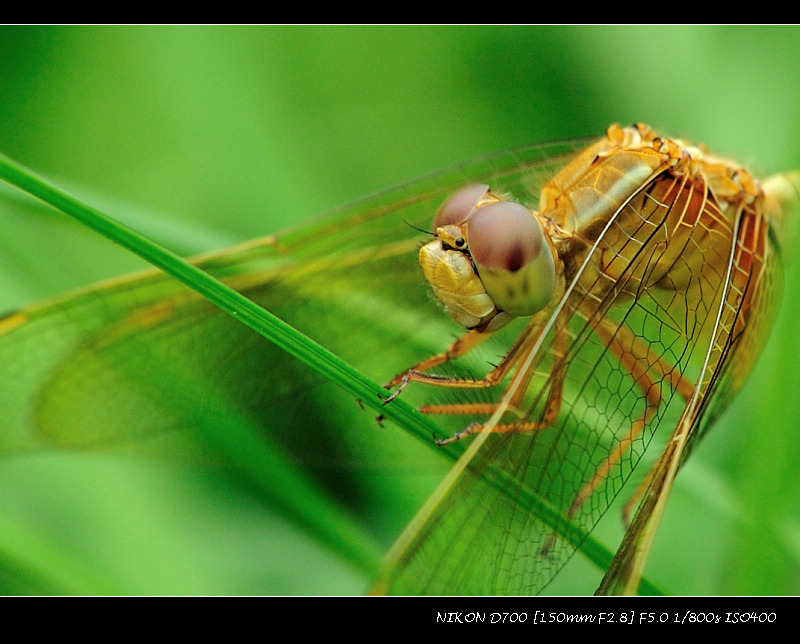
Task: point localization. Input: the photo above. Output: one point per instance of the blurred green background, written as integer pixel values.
(215, 135)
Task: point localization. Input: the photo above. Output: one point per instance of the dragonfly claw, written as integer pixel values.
(471, 429)
(403, 382)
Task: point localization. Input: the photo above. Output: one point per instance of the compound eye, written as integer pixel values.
(459, 206)
(513, 258)
(504, 235)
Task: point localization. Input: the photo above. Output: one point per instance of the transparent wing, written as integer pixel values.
(750, 294)
(88, 368)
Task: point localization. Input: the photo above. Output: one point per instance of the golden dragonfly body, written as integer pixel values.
(648, 256)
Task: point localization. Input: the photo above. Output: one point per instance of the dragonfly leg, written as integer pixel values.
(462, 345)
(458, 348)
(518, 387)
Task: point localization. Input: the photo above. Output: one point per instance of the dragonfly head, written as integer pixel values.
(491, 260)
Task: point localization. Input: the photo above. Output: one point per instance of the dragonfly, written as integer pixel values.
(608, 297)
